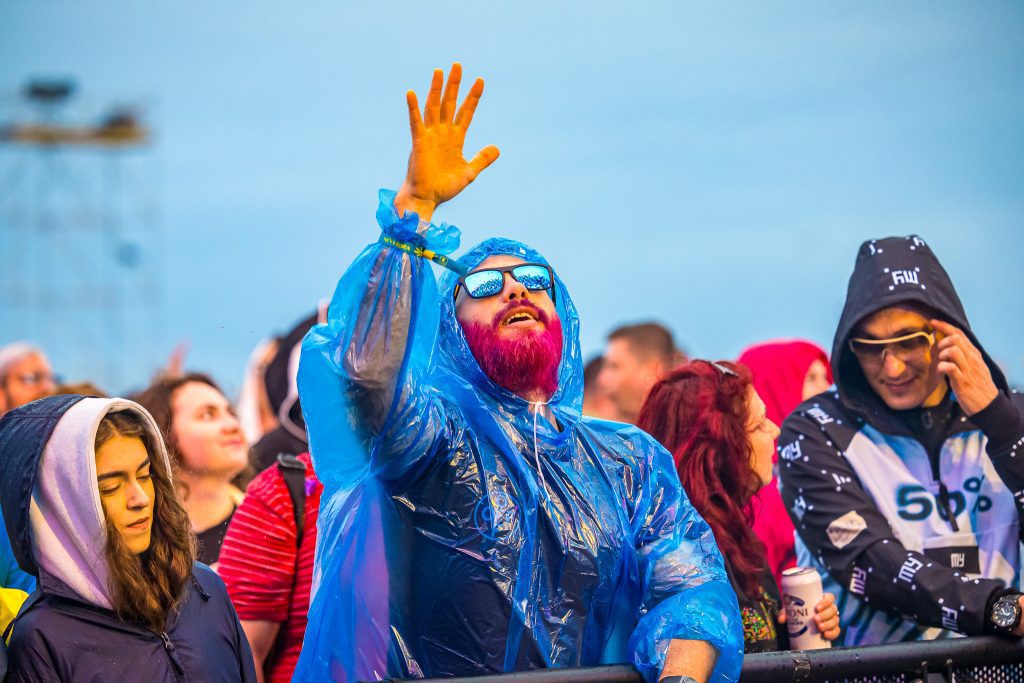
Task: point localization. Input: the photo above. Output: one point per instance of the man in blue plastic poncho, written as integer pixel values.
(472, 521)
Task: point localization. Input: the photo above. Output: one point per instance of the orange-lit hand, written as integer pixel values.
(175, 366)
(437, 170)
(962, 362)
(826, 616)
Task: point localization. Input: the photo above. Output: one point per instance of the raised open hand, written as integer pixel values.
(437, 170)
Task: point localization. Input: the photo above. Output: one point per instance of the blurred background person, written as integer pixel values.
(635, 358)
(208, 451)
(596, 402)
(120, 597)
(785, 374)
(25, 375)
(267, 563)
(715, 425)
(254, 412)
(280, 396)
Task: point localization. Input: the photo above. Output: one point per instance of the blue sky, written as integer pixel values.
(710, 165)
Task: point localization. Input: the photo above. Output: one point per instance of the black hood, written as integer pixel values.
(24, 433)
(890, 272)
(280, 379)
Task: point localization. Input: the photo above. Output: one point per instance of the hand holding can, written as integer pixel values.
(801, 591)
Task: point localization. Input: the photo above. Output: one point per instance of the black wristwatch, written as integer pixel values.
(1006, 613)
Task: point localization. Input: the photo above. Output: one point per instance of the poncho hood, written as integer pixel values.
(456, 357)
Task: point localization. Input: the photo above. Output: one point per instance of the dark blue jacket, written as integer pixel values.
(63, 637)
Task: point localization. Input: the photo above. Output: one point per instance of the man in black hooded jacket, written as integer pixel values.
(906, 485)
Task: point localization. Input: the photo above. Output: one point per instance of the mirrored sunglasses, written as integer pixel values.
(480, 284)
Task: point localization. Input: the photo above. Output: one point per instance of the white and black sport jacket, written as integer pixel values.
(916, 536)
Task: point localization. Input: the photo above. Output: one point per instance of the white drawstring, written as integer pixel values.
(536, 450)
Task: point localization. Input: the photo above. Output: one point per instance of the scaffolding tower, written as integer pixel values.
(80, 247)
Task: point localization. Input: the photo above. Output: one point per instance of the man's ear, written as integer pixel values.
(652, 371)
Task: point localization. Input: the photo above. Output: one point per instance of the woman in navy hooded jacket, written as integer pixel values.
(90, 508)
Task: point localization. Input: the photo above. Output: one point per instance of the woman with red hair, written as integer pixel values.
(785, 374)
(714, 423)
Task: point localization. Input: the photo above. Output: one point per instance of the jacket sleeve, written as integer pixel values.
(361, 374)
(246, 663)
(1002, 422)
(840, 524)
(686, 592)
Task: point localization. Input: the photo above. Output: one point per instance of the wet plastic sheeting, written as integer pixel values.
(442, 551)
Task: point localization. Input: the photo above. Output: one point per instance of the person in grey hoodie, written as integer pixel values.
(89, 505)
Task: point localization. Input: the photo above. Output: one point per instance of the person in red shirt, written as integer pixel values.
(267, 564)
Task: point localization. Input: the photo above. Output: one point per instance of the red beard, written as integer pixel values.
(526, 364)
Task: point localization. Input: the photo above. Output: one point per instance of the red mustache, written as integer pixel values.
(522, 303)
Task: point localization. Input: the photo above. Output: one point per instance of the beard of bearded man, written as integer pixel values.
(523, 364)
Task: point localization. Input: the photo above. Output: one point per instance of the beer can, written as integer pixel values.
(801, 591)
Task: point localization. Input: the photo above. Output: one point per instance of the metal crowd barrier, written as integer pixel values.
(983, 659)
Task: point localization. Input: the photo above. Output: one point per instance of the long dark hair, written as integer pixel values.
(145, 588)
(699, 413)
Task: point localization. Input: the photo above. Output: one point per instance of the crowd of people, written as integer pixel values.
(424, 479)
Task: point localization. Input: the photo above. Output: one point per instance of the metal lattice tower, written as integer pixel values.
(79, 236)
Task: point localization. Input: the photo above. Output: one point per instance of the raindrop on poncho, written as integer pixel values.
(441, 550)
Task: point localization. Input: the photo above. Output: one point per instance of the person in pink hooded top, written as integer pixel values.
(786, 373)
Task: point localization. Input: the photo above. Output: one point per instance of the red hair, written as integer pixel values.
(699, 413)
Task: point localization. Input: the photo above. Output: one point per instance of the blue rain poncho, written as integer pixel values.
(441, 551)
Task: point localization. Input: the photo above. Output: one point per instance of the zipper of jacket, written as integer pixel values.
(933, 460)
(169, 647)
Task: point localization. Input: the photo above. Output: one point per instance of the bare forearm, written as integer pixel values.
(261, 636)
(694, 658)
